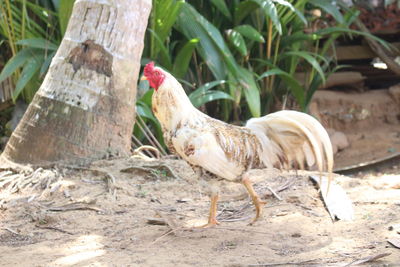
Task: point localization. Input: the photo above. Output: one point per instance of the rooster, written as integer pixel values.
(284, 139)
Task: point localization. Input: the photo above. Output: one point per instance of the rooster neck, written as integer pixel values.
(172, 107)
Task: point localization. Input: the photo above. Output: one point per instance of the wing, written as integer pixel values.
(200, 147)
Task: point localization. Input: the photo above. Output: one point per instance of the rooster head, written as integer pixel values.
(154, 75)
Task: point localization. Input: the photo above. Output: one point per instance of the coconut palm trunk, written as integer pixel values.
(85, 108)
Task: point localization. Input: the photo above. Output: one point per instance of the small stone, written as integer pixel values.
(339, 141)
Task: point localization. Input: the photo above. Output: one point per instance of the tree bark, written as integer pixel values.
(85, 108)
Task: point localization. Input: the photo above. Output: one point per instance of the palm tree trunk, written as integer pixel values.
(85, 108)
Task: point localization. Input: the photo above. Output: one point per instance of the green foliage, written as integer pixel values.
(32, 32)
(245, 53)
(236, 59)
(203, 94)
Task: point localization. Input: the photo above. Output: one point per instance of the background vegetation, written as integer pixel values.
(237, 59)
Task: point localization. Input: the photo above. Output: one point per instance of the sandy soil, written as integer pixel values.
(85, 219)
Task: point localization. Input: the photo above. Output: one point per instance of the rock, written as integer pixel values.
(394, 92)
(338, 139)
(341, 140)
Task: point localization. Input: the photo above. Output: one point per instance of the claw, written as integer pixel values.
(258, 203)
(212, 218)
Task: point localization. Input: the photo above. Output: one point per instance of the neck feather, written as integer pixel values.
(171, 105)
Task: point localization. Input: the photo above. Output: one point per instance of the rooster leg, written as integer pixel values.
(258, 203)
(212, 218)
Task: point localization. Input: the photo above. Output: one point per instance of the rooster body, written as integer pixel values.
(284, 139)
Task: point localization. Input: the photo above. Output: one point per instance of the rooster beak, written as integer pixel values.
(144, 78)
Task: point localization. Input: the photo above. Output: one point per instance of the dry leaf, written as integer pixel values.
(395, 242)
(336, 201)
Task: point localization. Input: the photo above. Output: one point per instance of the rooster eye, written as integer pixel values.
(156, 73)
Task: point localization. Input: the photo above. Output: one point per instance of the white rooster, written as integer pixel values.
(284, 139)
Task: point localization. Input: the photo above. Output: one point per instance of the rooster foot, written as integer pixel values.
(258, 203)
(211, 223)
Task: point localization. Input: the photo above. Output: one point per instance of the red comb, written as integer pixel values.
(148, 69)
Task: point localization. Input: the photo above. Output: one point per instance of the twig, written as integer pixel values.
(156, 221)
(138, 152)
(274, 193)
(171, 231)
(150, 136)
(11, 230)
(168, 219)
(284, 263)
(150, 169)
(286, 185)
(236, 219)
(231, 229)
(139, 144)
(367, 259)
(235, 216)
(194, 229)
(55, 229)
(73, 207)
(111, 181)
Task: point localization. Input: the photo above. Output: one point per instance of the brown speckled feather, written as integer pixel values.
(284, 139)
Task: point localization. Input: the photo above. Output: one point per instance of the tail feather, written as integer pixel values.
(301, 139)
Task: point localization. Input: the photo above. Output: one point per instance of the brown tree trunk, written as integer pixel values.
(85, 108)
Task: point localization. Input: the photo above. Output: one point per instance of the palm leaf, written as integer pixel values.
(330, 8)
(38, 43)
(237, 41)
(183, 57)
(250, 32)
(193, 25)
(310, 59)
(243, 9)
(271, 12)
(295, 88)
(31, 67)
(222, 7)
(16, 62)
(251, 91)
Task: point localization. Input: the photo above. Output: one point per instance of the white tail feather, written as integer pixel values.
(300, 137)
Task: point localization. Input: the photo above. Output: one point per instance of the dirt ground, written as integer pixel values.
(370, 120)
(131, 212)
